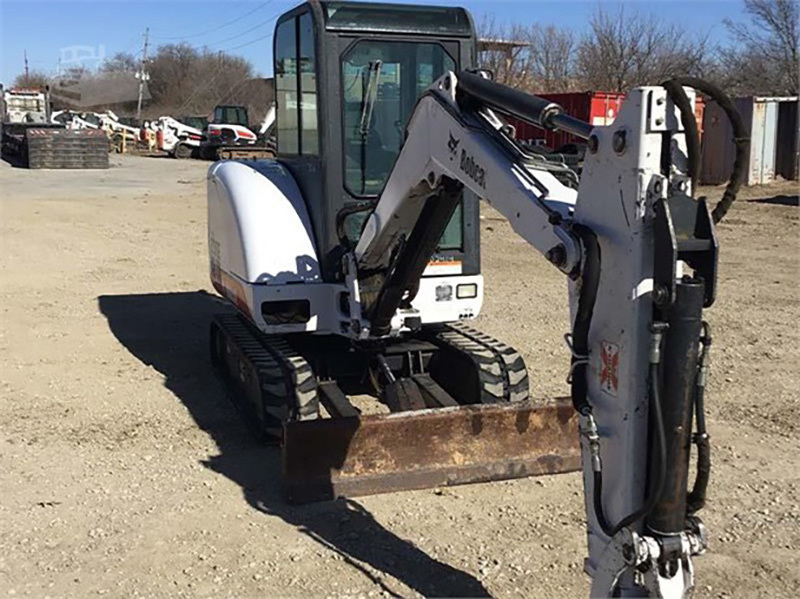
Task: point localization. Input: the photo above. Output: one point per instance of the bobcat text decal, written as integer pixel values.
(473, 170)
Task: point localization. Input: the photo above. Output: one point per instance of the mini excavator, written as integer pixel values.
(353, 262)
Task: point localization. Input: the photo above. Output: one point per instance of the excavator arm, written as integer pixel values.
(448, 148)
(640, 256)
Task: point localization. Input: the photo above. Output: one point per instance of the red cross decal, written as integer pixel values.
(609, 374)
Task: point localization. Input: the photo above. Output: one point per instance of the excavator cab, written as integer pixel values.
(347, 78)
(225, 114)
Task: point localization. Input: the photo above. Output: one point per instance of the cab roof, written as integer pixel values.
(397, 18)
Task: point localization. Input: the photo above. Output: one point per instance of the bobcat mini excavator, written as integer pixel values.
(353, 262)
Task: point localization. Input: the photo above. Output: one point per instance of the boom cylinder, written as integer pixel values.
(679, 367)
(539, 111)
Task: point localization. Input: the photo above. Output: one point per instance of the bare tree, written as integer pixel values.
(121, 62)
(551, 57)
(625, 50)
(185, 80)
(535, 58)
(765, 57)
(503, 50)
(33, 80)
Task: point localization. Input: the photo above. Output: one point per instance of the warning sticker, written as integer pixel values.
(442, 268)
(609, 373)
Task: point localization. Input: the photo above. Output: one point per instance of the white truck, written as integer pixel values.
(31, 139)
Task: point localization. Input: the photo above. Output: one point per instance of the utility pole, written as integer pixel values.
(27, 74)
(142, 75)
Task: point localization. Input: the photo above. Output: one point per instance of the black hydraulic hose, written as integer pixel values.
(590, 281)
(661, 446)
(741, 140)
(697, 497)
(597, 493)
(341, 217)
(681, 100)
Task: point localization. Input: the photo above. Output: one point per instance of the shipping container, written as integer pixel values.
(773, 129)
(787, 156)
(597, 108)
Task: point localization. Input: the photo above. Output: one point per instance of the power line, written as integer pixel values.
(216, 73)
(246, 31)
(219, 69)
(131, 46)
(222, 65)
(229, 94)
(216, 27)
(242, 45)
(253, 41)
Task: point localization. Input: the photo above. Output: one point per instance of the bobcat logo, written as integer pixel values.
(452, 145)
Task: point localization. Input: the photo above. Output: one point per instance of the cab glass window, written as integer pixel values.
(382, 81)
(309, 136)
(296, 86)
(286, 99)
(231, 115)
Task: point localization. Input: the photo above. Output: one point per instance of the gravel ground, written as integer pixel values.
(127, 474)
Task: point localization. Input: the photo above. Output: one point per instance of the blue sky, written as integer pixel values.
(90, 29)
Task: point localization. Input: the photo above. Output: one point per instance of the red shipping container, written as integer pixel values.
(597, 108)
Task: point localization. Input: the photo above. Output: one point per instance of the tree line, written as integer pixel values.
(184, 80)
(623, 49)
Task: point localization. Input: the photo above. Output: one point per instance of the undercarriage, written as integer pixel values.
(362, 418)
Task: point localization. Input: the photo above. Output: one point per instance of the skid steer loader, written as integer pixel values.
(353, 261)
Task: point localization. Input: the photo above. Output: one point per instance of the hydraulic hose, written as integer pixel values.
(697, 497)
(597, 493)
(590, 282)
(741, 138)
(661, 445)
(341, 217)
(657, 487)
(681, 100)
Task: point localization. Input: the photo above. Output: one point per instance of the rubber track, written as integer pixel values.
(502, 370)
(287, 383)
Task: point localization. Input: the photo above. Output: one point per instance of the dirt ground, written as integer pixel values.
(126, 473)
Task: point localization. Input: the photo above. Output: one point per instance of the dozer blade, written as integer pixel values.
(352, 456)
